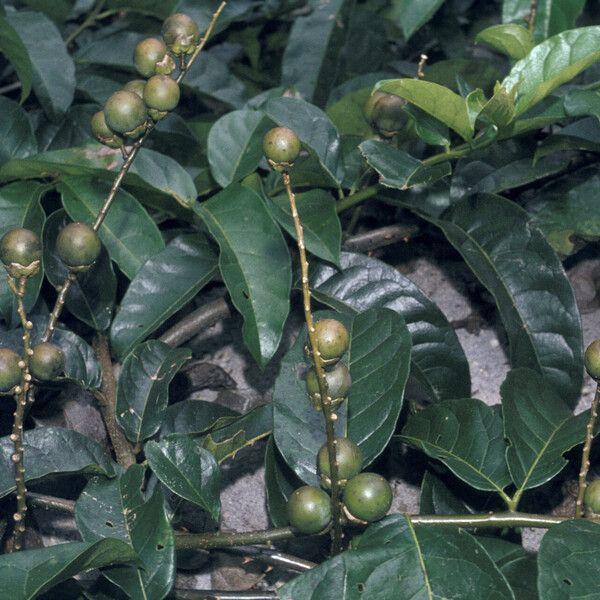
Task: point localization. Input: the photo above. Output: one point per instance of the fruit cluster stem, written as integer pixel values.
(585, 454)
(328, 413)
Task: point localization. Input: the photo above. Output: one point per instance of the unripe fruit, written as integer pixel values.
(386, 113)
(146, 54)
(368, 497)
(47, 361)
(136, 86)
(103, 133)
(20, 247)
(161, 92)
(78, 245)
(349, 461)
(309, 510)
(281, 146)
(370, 105)
(592, 497)
(125, 112)
(332, 339)
(338, 381)
(10, 372)
(592, 360)
(181, 34)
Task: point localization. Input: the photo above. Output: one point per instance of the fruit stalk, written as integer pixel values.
(585, 454)
(328, 414)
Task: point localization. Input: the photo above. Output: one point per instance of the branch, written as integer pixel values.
(223, 539)
(50, 502)
(585, 454)
(272, 557)
(378, 238)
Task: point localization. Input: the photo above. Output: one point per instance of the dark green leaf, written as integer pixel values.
(193, 416)
(188, 470)
(160, 9)
(437, 359)
(510, 39)
(347, 113)
(255, 265)
(16, 133)
(438, 499)
(581, 135)
(118, 509)
(53, 451)
(26, 575)
(280, 482)
(15, 51)
(143, 387)
(413, 14)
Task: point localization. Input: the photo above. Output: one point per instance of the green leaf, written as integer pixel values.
(15, 51)
(535, 300)
(53, 70)
(255, 265)
(160, 9)
(92, 294)
(539, 426)
(348, 115)
(118, 509)
(437, 358)
(434, 99)
(27, 574)
(467, 436)
(161, 287)
(550, 64)
(188, 470)
(438, 499)
(16, 132)
(396, 561)
(413, 14)
(568, 562)
(581, 135)
(378, 359)
(314, 129)
(280, 482)
(128, 232)
(324, 30)
(193, 416)
(143, 387)
(50, 451)
(322, 229)
(511, 39)
(235, 145)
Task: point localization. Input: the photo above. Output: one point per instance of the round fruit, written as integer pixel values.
(309, 509)
(592, 496)
(181, 34)
(136, 86)
(332, 338)
(349, 460)
(370, 105)
(146, 54)
(388, 114)
(78, 245)
(161, 92)
(47, 361)
(592, 360)
(20, 247)
(125, 111)
(103, 133)
(10, 372)
(338, 381)
(281, 145)
(368, 497)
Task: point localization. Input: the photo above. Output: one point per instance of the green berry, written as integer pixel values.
(47, 361)
(10, 372)
(78, 245)
(146, 54)
(20, 247)
(103, 133)
(181, 34)
(161, 92)
(338, 381)
(368, 497)
(592, 496)
(125, 112)
(332, 339)
(309, 510)
(349, 460)
(136, 86)
(389, 115)
(281, 146)
(370, 105)
(592, 360)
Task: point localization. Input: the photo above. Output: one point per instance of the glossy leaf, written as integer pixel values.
(280, 482)
(160, 9)
(539, 426)
(51, 451)
(188, 470)
(378, 359)
(536, 303)
(434, 99)
(193, 416)
(438, 499)
(437, 358)
(259, 289)
(16, 132)
(53, 70)
(511, 39)
(15, 51)
(26, 575)
(413, 14)
(143, 387)
(164, 284)
(119, 509)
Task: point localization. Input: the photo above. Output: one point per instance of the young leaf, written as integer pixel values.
(259, 288)
(16, 132)
(413, 14)
(511, 39)
(143, 387)
(164, 284)
(15, 51)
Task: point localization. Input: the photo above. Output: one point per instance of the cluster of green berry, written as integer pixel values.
(129, 112)
(367, 497)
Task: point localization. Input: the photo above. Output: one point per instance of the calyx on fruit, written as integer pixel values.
(125, 113)
(47, 361)
(181, 34)
(338, 382)
(332, 340)
(367, 497)
(309, 510)
(281, 147)
(10, 371)
(21, 252)
(78, 246)
(148, 54)
(349, 460)
(592, 360)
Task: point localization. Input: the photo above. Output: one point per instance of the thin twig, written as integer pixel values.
(585, 454)
(88, 22)
(222, 539)
(50, 502)
(532, 15)
(421, 66)
(328, 414)
(378, 238)
(220, 595)
(11, 87)
(271, 556)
